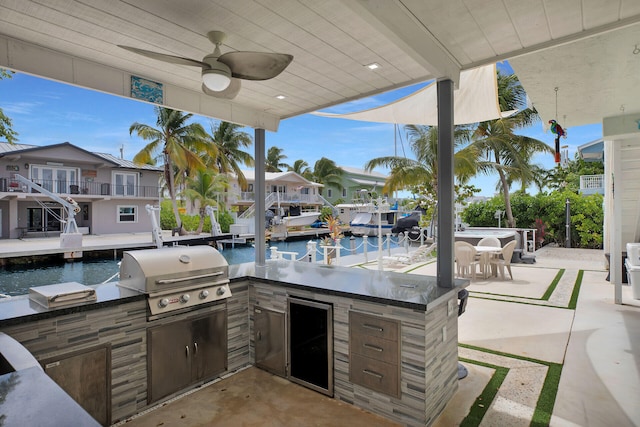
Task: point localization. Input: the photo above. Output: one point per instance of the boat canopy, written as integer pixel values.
(362, 218)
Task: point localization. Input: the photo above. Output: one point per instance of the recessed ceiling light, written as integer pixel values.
(373, 66)
(281, 97)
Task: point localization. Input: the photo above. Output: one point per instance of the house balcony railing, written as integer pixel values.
(312, 199)
(592, 184)
(94, 188)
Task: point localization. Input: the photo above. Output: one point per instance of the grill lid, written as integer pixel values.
(151, 270)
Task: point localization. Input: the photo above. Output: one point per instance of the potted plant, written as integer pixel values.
(335, 233)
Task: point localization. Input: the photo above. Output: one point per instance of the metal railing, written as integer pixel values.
(592, 184)
(284, 197)
(94, 188)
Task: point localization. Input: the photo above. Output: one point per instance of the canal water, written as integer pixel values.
(17, 280)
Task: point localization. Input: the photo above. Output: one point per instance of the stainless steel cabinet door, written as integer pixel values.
(169, 359)
(209, 344)
(269, 339)
(85, 376)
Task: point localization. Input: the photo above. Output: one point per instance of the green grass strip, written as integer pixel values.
(545, 297)
(546, 401)
(553, 285)
(483, 402)
(573, 302)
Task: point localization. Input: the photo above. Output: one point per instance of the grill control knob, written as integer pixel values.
(204, 294)
(184, 298)
(221, 290)
(163, 303)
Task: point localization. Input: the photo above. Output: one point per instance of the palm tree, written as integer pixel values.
(274, 161)
(423, 170)
(229, 142)
(178, 142)
(500, 149)
(203, 188)
(326, 172)
(301, 167)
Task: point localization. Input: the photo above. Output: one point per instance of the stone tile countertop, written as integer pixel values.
(404, 290)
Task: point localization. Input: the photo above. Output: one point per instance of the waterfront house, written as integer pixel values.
(354, 181)
(284, 190)
(592, 152)
(111, 192)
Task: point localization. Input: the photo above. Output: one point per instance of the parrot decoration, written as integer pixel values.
(559, 132)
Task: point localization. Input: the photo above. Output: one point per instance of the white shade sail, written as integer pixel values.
(476, 100)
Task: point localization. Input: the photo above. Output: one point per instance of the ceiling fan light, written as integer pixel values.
(217, 78)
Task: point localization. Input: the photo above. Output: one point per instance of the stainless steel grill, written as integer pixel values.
(176, 278)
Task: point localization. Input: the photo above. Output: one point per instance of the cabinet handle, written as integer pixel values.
(373, 374)
(372, 347)
(195, 348)
(374, 327)
(186, 347)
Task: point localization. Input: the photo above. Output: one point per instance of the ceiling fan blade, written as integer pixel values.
(229, 93)
(164, 57)
(255, 65)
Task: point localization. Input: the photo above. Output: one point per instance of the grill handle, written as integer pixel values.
(189, 278)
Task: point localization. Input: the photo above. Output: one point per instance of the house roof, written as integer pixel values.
(358, 171)
(288, 176)
(123, 163)
(8, 150)
(592, 151)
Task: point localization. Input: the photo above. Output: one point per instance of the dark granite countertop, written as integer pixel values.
(413, 291)
(404, 290)
(28, 397)
(18, 309)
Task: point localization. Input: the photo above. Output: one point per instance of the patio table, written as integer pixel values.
(485, 253)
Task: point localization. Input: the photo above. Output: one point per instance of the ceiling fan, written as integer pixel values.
(221, 73)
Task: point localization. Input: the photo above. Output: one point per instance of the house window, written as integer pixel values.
(250, 188)
(125, 183)
(47, 219)
(304, 190)
(127, 214)
(57, 179)
(344, 192)
(329, 193)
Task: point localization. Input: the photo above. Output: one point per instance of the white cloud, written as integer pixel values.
(21, 107)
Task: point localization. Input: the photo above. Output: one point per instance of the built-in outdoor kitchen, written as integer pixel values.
(180, 317)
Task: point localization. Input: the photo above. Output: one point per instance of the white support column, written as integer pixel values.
(615, 240)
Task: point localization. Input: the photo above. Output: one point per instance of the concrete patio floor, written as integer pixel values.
(525, 326)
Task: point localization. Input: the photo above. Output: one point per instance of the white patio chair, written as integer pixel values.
(504, 259)
(466, 261)
(490, 241)
(421, 254)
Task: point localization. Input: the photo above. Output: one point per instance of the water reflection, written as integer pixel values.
(17, 281)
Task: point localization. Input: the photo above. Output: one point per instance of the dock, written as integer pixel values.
(34, 250)
(37, 249)
(278, 236)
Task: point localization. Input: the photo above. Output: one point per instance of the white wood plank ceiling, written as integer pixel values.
(75, 41)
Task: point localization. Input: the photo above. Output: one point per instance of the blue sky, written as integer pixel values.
(46, 112)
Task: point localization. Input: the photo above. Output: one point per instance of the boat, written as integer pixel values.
(302, 220)
(371, 218)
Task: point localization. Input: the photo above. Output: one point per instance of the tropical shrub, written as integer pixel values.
(190, 222)
(546, 213)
